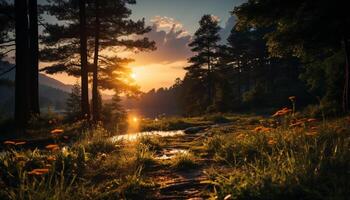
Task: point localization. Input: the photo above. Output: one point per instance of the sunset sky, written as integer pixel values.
(173, 24)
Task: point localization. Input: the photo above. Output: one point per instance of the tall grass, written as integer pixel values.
(59, 181)
(285, 163)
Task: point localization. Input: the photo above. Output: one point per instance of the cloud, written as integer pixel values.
(171, 40)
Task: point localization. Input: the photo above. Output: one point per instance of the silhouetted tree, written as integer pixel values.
(112, 27)
(34, 56)
(22, 94)
(205, 45)
(302, 29)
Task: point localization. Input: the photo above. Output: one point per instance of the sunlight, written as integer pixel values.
(133, 76)
(133, 123)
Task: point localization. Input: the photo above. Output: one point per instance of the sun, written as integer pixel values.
(133, 75)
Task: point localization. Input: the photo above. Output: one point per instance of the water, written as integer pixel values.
(135, 136)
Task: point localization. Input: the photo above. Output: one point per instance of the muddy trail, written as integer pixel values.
(186, 183)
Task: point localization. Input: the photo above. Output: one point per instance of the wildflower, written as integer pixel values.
(57, 131)
(240, 136)
(296, 124)
(282, 112)
(266, 130)
(228, 197)
(51, 158)
(20, 143)
(292, 98)
(52, 147)
(39, 172)
(314, 128)
(258, 129)
(311, 120)
(312, 133)
(9, 142)
(271, 142)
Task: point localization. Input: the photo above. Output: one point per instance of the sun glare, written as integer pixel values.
(133, 75)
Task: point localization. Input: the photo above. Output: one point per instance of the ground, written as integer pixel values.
(231, 157)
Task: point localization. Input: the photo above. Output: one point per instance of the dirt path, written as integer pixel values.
(185, 183)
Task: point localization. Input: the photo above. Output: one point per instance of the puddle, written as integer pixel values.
(135, 136)
(168, 154)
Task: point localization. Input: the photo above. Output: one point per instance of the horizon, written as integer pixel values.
(160, 68)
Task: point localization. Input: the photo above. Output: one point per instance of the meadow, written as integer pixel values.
(284, 156)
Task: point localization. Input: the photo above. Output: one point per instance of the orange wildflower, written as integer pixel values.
(8, 142)
(39, 172)
(296, 124)
(312, 133)
(313, 128)
(57, 131)
(282, 112)
(52, 147)
(311, 120)
(271, 142)
(258, 129)
(51, 158)
(21, 143)
(240, 136)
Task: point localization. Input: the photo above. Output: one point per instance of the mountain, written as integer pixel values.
(43, 79)
(52, 93)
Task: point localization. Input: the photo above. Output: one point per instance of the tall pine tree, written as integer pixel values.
(201, 70)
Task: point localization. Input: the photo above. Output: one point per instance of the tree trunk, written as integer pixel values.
(22, 44)
(347, 76)
(95, 95)
(34, 57)
(85, 109)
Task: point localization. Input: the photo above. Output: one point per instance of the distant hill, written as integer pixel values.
(43, 79)
(52, 93)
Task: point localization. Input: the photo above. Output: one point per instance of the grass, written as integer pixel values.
(182, 161)
(250, 158)
(283, 163)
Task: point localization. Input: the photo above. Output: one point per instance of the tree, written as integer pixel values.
(302, 29)
(205, 45)
(112, 29)
(109, 28)
(66, 45)
(73, 106)
(34, 56)
(22, 94)
(85, 108)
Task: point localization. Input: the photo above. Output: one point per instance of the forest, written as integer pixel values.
(259, 113)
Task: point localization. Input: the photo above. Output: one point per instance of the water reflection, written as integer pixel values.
(135, 136)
